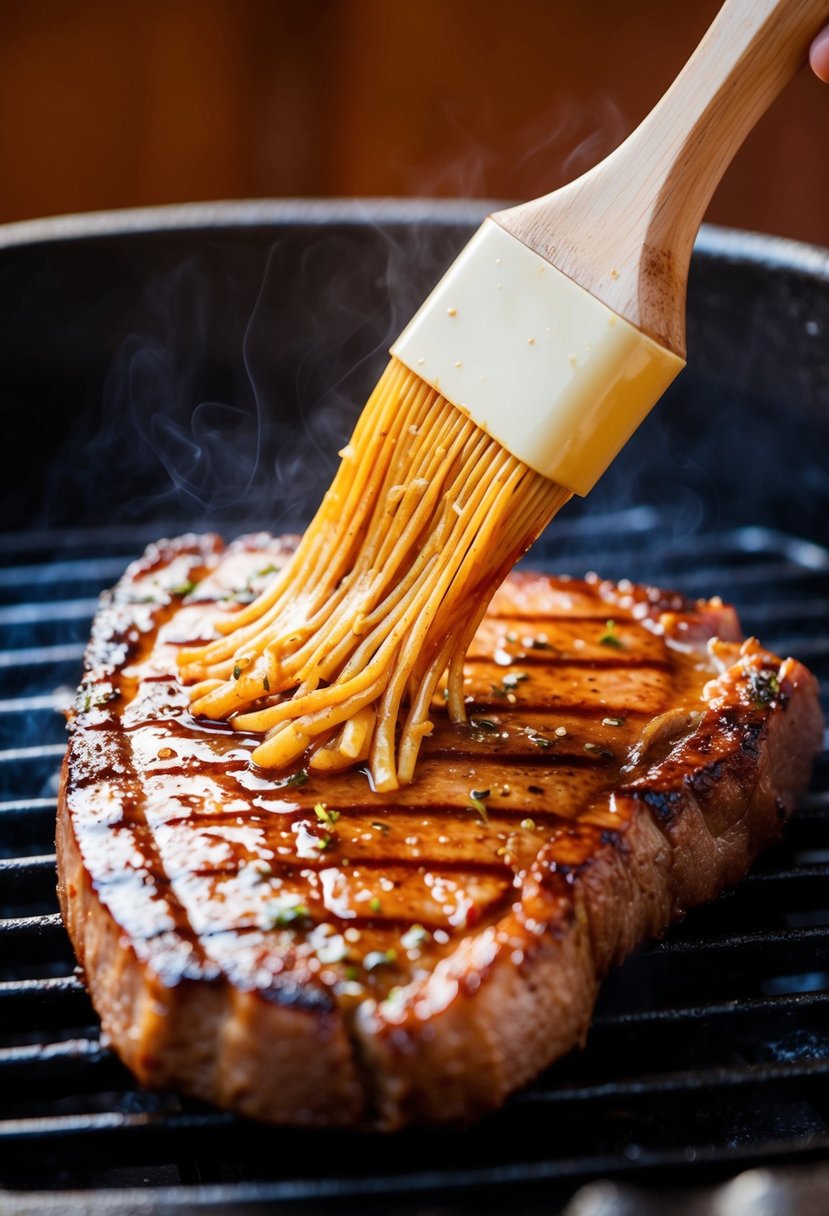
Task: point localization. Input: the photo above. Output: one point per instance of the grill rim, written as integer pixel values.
(732, 245)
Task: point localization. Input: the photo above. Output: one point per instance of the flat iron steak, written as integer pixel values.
(303, 950)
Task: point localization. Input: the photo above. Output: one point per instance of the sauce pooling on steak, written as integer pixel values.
(313, 887)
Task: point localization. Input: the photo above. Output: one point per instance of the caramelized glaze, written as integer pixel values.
(315, 884)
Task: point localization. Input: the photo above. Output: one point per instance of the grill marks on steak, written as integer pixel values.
(312, 952)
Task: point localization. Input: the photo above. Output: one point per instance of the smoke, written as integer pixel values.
(553, 148)
(154, 444)
(225, 372)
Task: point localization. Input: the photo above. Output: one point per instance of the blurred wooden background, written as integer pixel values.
(118, 103)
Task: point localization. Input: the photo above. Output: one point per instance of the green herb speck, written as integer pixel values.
(764, 684)
(97, 696)
(297, 778)
(324, 815)
(476, 797)
(610, 637)
(283, 917)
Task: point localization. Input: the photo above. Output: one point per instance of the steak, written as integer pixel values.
(303, 950)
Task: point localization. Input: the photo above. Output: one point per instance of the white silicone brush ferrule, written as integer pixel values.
(542, 366)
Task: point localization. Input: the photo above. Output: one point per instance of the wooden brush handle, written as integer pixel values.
(625, 230)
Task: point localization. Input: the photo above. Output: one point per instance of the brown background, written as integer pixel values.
(115, 104)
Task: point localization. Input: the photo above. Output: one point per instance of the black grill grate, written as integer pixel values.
(709, 1051)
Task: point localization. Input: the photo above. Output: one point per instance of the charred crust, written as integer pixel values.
(705, 781)
(746, 731)
(726, 746)
(613, 838)
(665, 805)
(290, 993)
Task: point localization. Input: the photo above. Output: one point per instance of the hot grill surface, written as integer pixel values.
(709, 1051)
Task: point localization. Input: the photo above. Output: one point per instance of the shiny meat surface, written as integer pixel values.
(603, 726)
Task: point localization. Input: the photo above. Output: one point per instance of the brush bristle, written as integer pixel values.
(342, 655)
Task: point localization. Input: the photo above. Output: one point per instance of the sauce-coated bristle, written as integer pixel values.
(424, 519)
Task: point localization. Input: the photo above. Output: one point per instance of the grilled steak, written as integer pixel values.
(303, 950)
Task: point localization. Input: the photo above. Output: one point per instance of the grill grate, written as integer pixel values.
(709, 1051)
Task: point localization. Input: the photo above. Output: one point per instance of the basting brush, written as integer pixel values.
(515, 385)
